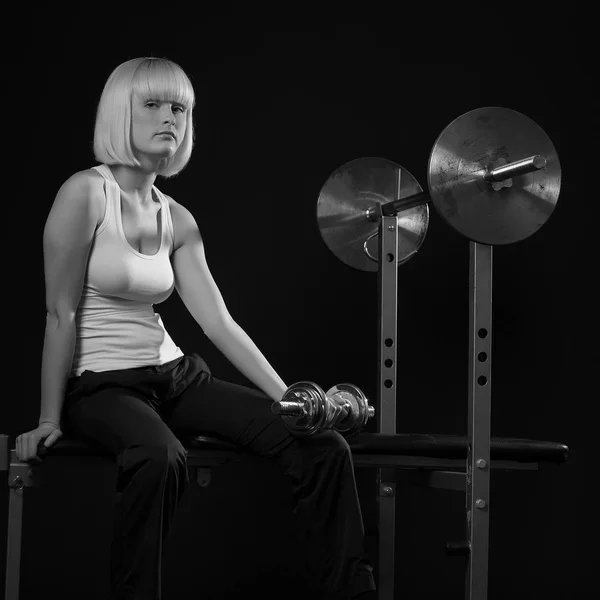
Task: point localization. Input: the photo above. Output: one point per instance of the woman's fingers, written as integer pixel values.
(340, 410)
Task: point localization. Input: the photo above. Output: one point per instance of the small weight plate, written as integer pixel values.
(342, 208)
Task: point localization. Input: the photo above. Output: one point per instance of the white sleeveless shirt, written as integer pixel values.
(116, 325)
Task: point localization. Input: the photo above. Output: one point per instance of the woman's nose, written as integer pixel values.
(168, 115)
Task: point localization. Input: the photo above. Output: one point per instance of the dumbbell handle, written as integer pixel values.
(299, 407)
(293, 408)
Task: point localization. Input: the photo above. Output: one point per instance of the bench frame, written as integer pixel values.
(207, 452)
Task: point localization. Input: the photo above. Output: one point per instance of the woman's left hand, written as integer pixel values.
(340, 409)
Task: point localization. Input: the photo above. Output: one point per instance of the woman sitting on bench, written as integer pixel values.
(114, 246)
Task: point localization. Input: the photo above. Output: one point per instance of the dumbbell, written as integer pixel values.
(305, 411)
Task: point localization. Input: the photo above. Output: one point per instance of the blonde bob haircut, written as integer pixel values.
(156, 78)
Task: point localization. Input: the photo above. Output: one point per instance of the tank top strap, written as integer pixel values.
(105, 171)
(167, 220)
(112, 197)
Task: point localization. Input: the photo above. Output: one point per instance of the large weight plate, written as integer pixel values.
(460, 158)
(344, 200)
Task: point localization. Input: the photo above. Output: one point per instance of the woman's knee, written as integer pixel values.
(172, 455)
(331, 441)
(167, 456)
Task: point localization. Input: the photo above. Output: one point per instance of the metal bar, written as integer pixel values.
(390, 209)
(4, 452)
(388, 313)
(396, 206)
(388, 272)
(13, 539)
(294, 408)
(518, 167)
(480, 386)
(15, 517)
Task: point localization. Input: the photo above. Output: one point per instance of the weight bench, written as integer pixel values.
(439, 461)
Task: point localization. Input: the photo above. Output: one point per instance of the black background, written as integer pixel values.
(281, 105)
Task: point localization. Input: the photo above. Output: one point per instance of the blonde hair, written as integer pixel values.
(158, 78)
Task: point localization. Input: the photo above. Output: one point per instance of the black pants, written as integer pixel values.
(138, 414)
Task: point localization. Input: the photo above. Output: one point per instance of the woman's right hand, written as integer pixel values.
(27, 443)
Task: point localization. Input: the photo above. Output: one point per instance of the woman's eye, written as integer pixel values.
(175, 107)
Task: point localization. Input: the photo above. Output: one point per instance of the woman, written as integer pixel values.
(114, 246)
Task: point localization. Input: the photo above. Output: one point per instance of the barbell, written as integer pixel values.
(493, 175)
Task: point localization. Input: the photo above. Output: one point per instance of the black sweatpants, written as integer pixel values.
(139, 415)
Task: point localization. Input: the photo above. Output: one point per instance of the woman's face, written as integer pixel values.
(150, 118)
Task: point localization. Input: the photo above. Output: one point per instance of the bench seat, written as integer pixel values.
(440, 446)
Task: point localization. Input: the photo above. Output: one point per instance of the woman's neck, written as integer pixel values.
(134, 182)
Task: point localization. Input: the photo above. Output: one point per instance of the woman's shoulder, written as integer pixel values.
(179, 213)
(182, 220)
(84, 176)
(86, 184)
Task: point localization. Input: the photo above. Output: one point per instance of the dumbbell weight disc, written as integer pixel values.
(360, 411)
(315, 415)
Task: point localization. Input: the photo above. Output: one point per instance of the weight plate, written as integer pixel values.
(342, 208)
(480, 140)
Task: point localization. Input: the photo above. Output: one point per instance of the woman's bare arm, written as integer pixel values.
(67, 240)
(202, 298)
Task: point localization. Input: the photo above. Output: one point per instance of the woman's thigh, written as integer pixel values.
(235, 412)
(117, 418)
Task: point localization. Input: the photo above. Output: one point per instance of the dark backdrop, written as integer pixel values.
(280, 107)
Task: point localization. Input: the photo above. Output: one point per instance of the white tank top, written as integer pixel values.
(117, 327)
